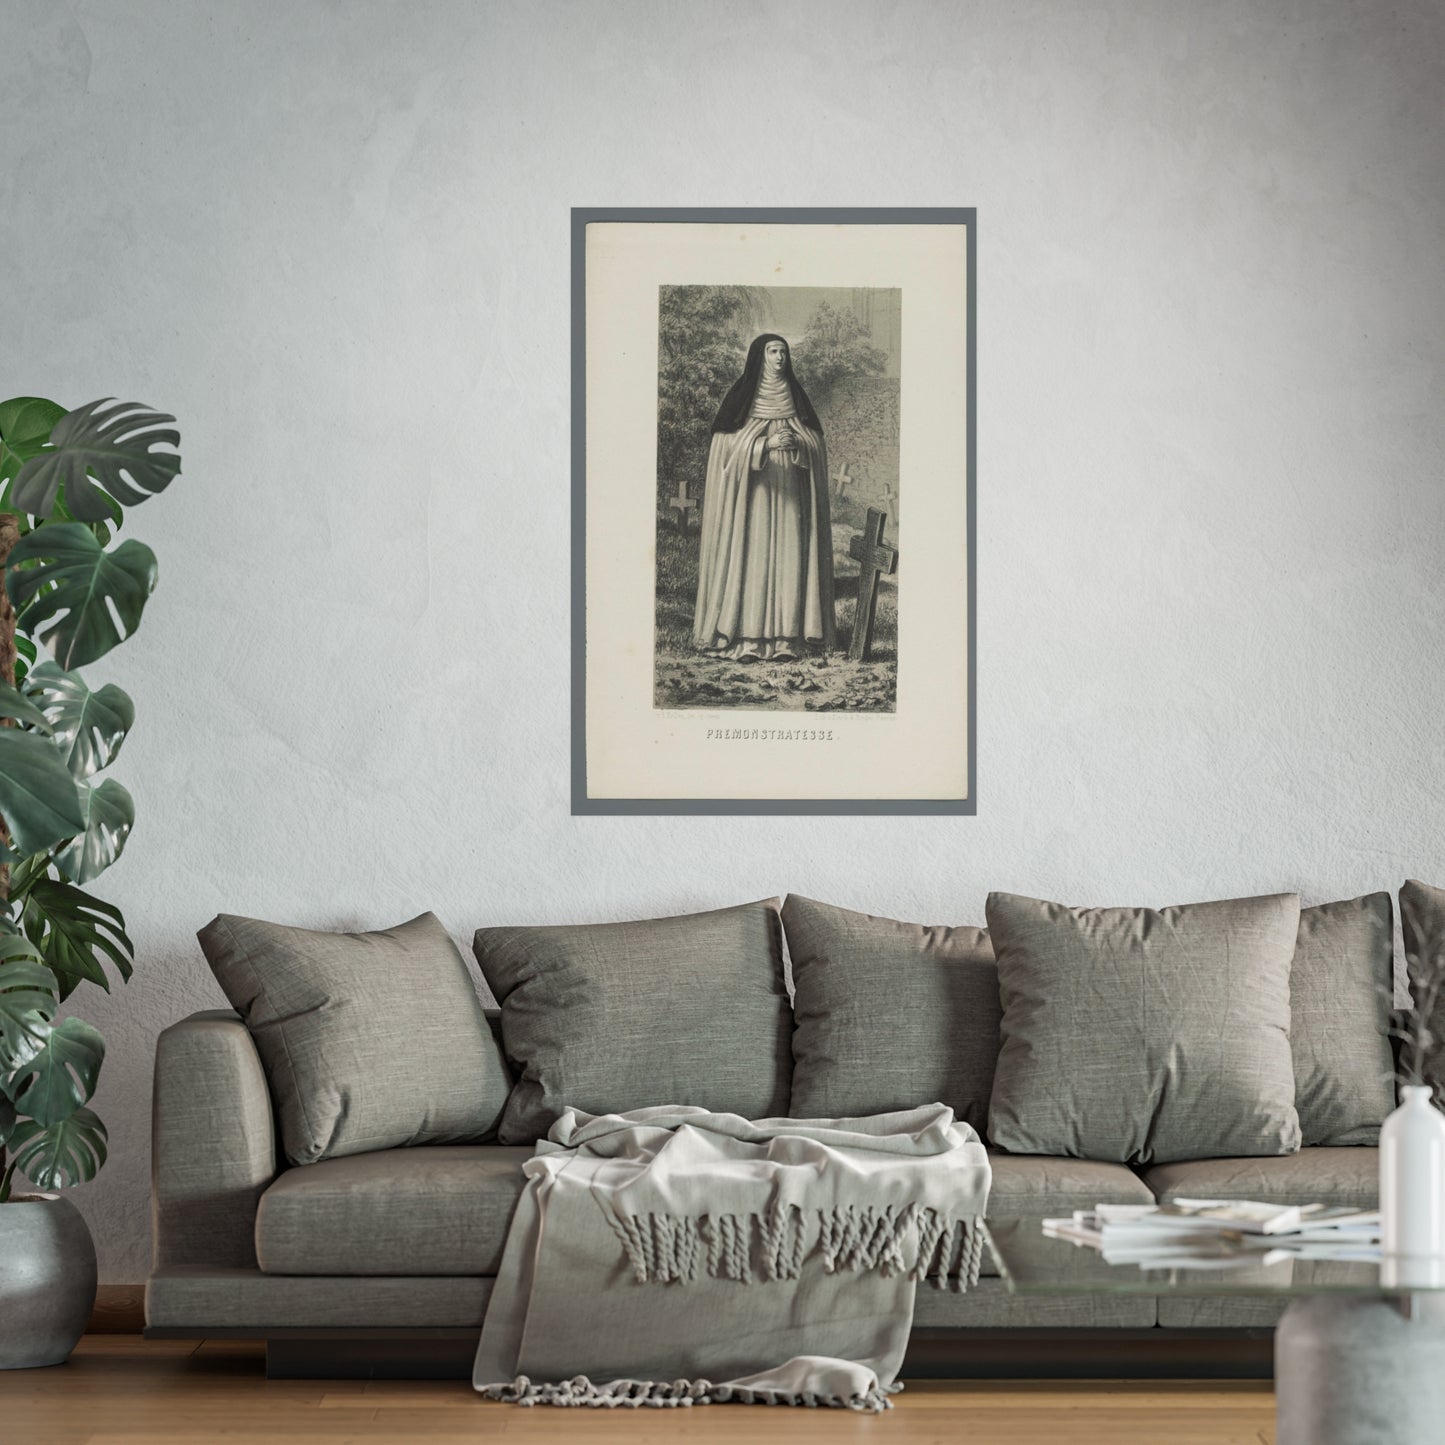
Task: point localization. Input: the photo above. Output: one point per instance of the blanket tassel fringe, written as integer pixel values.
(668, 1249)
(645, 1394)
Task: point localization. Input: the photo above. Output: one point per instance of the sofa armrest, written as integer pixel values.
(213, 1143)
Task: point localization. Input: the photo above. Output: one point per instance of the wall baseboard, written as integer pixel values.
(120, 1309)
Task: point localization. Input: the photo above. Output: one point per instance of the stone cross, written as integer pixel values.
(842, 480)
(875, 559)
(684, 504)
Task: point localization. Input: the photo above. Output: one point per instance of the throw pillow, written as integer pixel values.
(368, 1040)
(1141, 1036)
(614, 1016)
(1340, 985)
(889, 1015)
(1422, 921)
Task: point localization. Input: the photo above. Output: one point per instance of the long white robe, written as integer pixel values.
(765, 568)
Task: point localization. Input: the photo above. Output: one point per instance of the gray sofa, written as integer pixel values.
(382, 1263)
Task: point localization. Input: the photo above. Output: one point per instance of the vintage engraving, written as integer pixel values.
(777, 498)
(753, 392)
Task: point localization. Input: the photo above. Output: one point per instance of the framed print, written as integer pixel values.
(773, 511)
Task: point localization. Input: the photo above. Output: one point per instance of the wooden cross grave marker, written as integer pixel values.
(842, 480)
(684, 504)
(875, 559)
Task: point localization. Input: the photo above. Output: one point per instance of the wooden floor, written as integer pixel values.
(121, 1390)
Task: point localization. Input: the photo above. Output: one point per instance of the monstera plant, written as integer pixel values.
(67, 480)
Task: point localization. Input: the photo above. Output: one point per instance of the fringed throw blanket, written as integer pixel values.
(671, 1256)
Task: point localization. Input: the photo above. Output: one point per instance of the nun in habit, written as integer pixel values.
(765, 571)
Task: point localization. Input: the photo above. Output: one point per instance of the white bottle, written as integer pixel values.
(1412, 1187)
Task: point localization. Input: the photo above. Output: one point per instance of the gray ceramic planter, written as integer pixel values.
(47, 1280)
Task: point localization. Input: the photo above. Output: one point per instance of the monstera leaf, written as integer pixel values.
(59, 1078)
(23, 662)
(109, 817)
(81, 599)
(38, 796)
(57, 1156)
(7, 1120)
(88, 727)
(27, 1002)
(25, 424)
(113, 444)
(73, 931)
(24, 874)
(14, 704)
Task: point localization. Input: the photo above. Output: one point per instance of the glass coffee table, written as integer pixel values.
(1359, 1353)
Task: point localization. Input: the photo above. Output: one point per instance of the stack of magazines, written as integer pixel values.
(1198, 1233)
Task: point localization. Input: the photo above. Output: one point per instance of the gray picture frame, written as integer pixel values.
(583, 803)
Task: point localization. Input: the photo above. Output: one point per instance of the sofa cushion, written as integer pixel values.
(445, 1210)
(368, 1040)
(889, 1015)
(1038, 1184)
(437, 1210)
(616, 1016)
(1343, 1176)
(1143, 1036)
(1349, 1176)
(1340, 989)
(1041, 1184)
(1422, 921)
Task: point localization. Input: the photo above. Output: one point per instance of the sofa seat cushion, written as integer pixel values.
(1313, 1176)
(438, 1210)
(1041, 1184)
(444, 1210)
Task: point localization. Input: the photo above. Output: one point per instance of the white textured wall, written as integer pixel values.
(332, 238)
